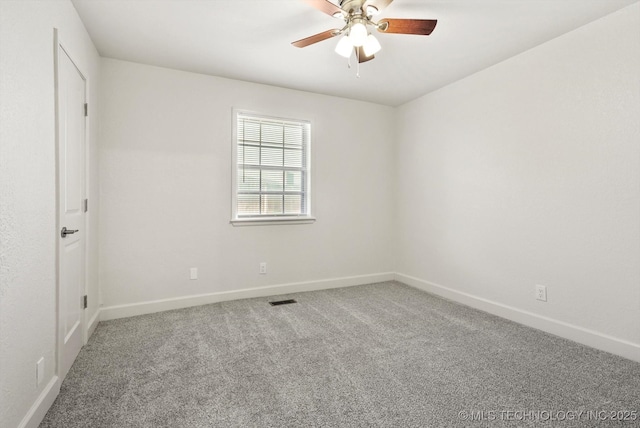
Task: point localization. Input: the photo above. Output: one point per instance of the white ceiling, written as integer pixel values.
(251, 40)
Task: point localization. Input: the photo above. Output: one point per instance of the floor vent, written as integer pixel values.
(282, 302)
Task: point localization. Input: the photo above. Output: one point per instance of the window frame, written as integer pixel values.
(269, 219)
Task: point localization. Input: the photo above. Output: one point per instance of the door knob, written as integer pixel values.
(64, 232)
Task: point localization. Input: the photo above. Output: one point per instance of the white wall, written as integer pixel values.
(525, 173)
(529, 173)
(166, 188)
(28, 227)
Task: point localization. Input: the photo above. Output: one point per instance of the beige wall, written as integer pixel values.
(166, 187)
(529, 173)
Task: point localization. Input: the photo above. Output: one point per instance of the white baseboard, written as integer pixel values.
(572, 332)
(130, 310)
(597, 340)
(36, 413)
(568, 331)
(93, 323)
(559, 328)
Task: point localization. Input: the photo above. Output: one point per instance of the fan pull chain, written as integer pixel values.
(357, 53)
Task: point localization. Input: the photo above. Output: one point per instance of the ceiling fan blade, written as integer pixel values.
(378, 4)
(324, 6)
(316, 38)
(407, 26)
(362, 57)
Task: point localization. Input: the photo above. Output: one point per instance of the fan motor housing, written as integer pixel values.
(352, 6)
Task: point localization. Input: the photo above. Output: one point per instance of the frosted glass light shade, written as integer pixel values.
(358, 34)
(344, 47)
(371, 45)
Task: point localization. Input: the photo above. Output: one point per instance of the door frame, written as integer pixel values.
(58, 46)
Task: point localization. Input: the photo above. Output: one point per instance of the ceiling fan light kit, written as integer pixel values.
(357, 15)
(371, 45)
(344, 47)
(358, 32)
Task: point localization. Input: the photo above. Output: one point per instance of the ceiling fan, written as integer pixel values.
(357, 15)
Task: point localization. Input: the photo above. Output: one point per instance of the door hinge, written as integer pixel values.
(86, 205)
(86, 109)
(84, 302)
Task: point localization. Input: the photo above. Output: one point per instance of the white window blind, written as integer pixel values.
(272, 171)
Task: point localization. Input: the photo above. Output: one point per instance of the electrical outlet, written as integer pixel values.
(541, 292)
(193, 273)
(263, 268)
(39, 371)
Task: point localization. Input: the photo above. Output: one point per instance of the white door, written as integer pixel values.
(71, 236)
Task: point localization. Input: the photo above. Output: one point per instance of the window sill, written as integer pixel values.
(269, 221)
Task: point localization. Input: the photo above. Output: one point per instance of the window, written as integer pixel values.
(271, 181)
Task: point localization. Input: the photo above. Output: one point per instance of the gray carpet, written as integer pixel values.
(375, 355)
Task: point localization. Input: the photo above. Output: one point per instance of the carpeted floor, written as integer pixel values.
(379, 355)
